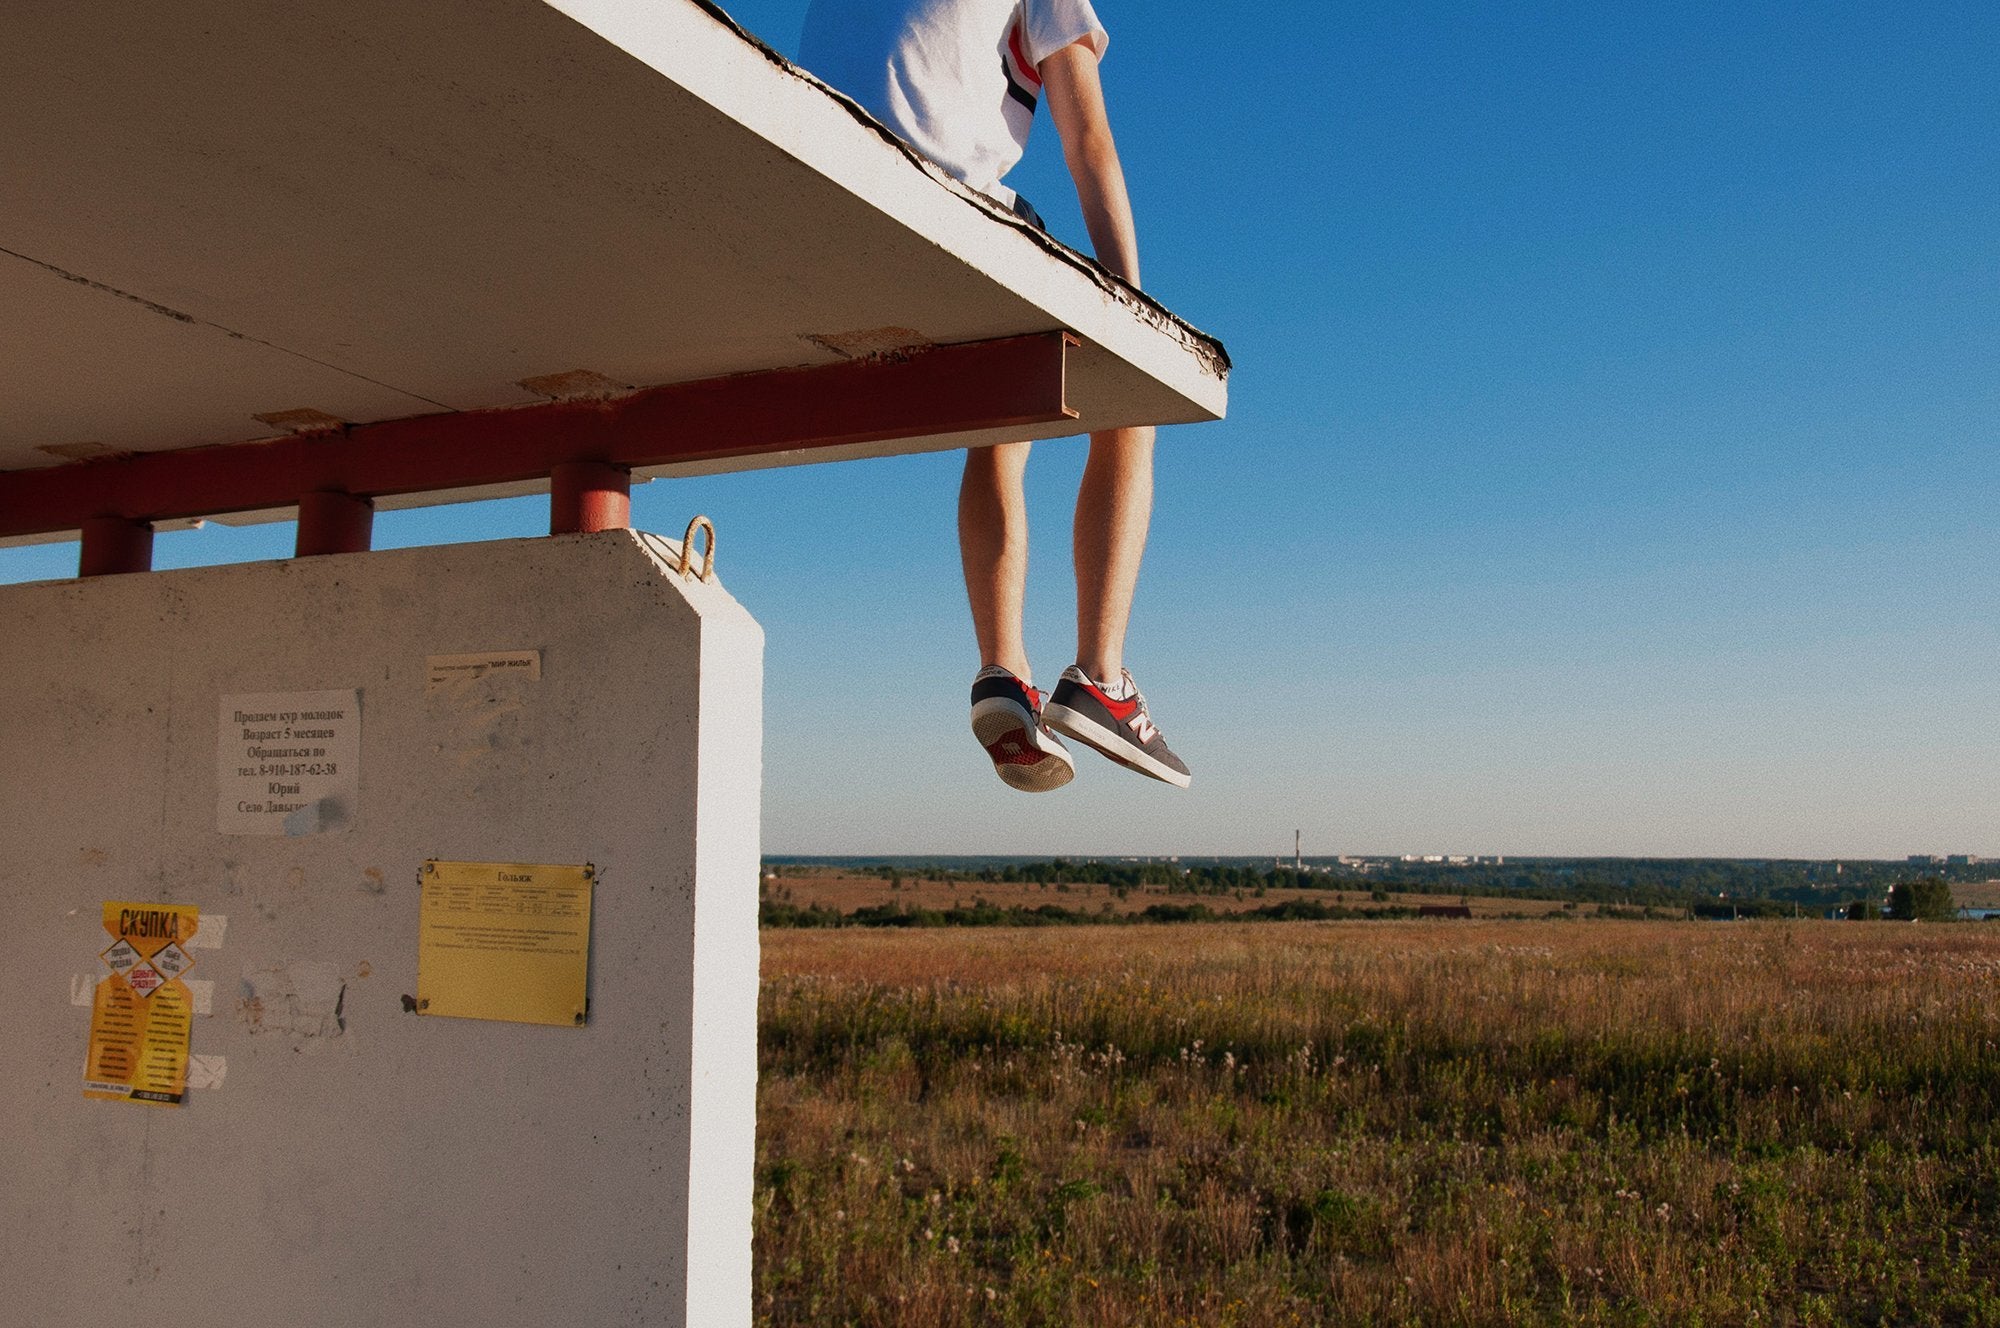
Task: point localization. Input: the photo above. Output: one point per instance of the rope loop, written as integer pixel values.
(687, 548)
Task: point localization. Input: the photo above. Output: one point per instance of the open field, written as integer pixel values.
(846, 891)
(1369, 1123)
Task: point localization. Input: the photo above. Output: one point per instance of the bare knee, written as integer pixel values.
(999, 461)
(1121, 444)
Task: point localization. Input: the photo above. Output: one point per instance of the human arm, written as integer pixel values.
(1076, 104)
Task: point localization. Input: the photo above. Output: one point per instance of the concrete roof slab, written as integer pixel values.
(222, 210)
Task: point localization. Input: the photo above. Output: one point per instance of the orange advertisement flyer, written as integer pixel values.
(142, 1013)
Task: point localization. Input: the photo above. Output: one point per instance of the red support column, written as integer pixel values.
(114, 544)
(587, 496)
(333, 521)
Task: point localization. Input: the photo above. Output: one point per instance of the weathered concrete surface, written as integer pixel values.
(357, 1164)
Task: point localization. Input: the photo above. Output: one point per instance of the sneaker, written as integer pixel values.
(1007, 720)
(1119, 727)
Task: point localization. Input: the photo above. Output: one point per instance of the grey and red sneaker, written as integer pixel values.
(1007, 720)
(1119, 727)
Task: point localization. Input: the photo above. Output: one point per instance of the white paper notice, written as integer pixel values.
(444, 670)
(287, 763)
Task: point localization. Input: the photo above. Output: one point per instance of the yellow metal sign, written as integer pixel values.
(142, 1013)
(505, 940)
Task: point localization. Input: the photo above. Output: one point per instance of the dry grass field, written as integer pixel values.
(845, 891)
(1381, 1123)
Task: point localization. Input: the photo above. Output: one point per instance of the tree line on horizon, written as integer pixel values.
(1636, 888)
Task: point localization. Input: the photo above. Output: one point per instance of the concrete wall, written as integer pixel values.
(357, 1164)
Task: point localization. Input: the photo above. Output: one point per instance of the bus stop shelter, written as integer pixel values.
(267, 261)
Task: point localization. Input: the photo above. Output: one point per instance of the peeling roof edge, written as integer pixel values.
(1209, 350)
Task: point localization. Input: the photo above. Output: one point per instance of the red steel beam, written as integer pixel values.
(940, 390)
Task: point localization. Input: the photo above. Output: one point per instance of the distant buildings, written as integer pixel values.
(1451, 859)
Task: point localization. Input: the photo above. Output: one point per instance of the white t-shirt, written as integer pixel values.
(958, 78)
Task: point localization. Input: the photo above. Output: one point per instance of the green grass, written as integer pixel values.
(1368, 1123)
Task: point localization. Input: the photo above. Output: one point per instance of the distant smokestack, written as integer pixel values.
(1298, 859)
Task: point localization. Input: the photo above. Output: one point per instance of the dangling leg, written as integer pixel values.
(993, 547)
(1114, 505)
(1096, 701)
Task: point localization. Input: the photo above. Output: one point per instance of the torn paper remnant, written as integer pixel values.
(207, 1071)
(305, 998)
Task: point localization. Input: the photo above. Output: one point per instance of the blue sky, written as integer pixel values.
(1611, 463)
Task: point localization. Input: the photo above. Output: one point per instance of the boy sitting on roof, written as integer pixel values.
(960, 80)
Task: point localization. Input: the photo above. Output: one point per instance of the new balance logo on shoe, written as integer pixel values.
(1121, 728)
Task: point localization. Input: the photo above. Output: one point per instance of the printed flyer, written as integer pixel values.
(142, 1013)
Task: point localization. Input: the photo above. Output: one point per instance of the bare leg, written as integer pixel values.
(993, 547)
(1113, 506)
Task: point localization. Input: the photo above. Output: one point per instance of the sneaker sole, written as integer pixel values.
(1106, 743)
(993, 720)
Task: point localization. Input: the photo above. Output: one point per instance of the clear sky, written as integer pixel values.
(1611, 465)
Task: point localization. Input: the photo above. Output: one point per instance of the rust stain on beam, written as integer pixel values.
(942, 390)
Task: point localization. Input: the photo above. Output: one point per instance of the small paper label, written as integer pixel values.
(449, 670)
